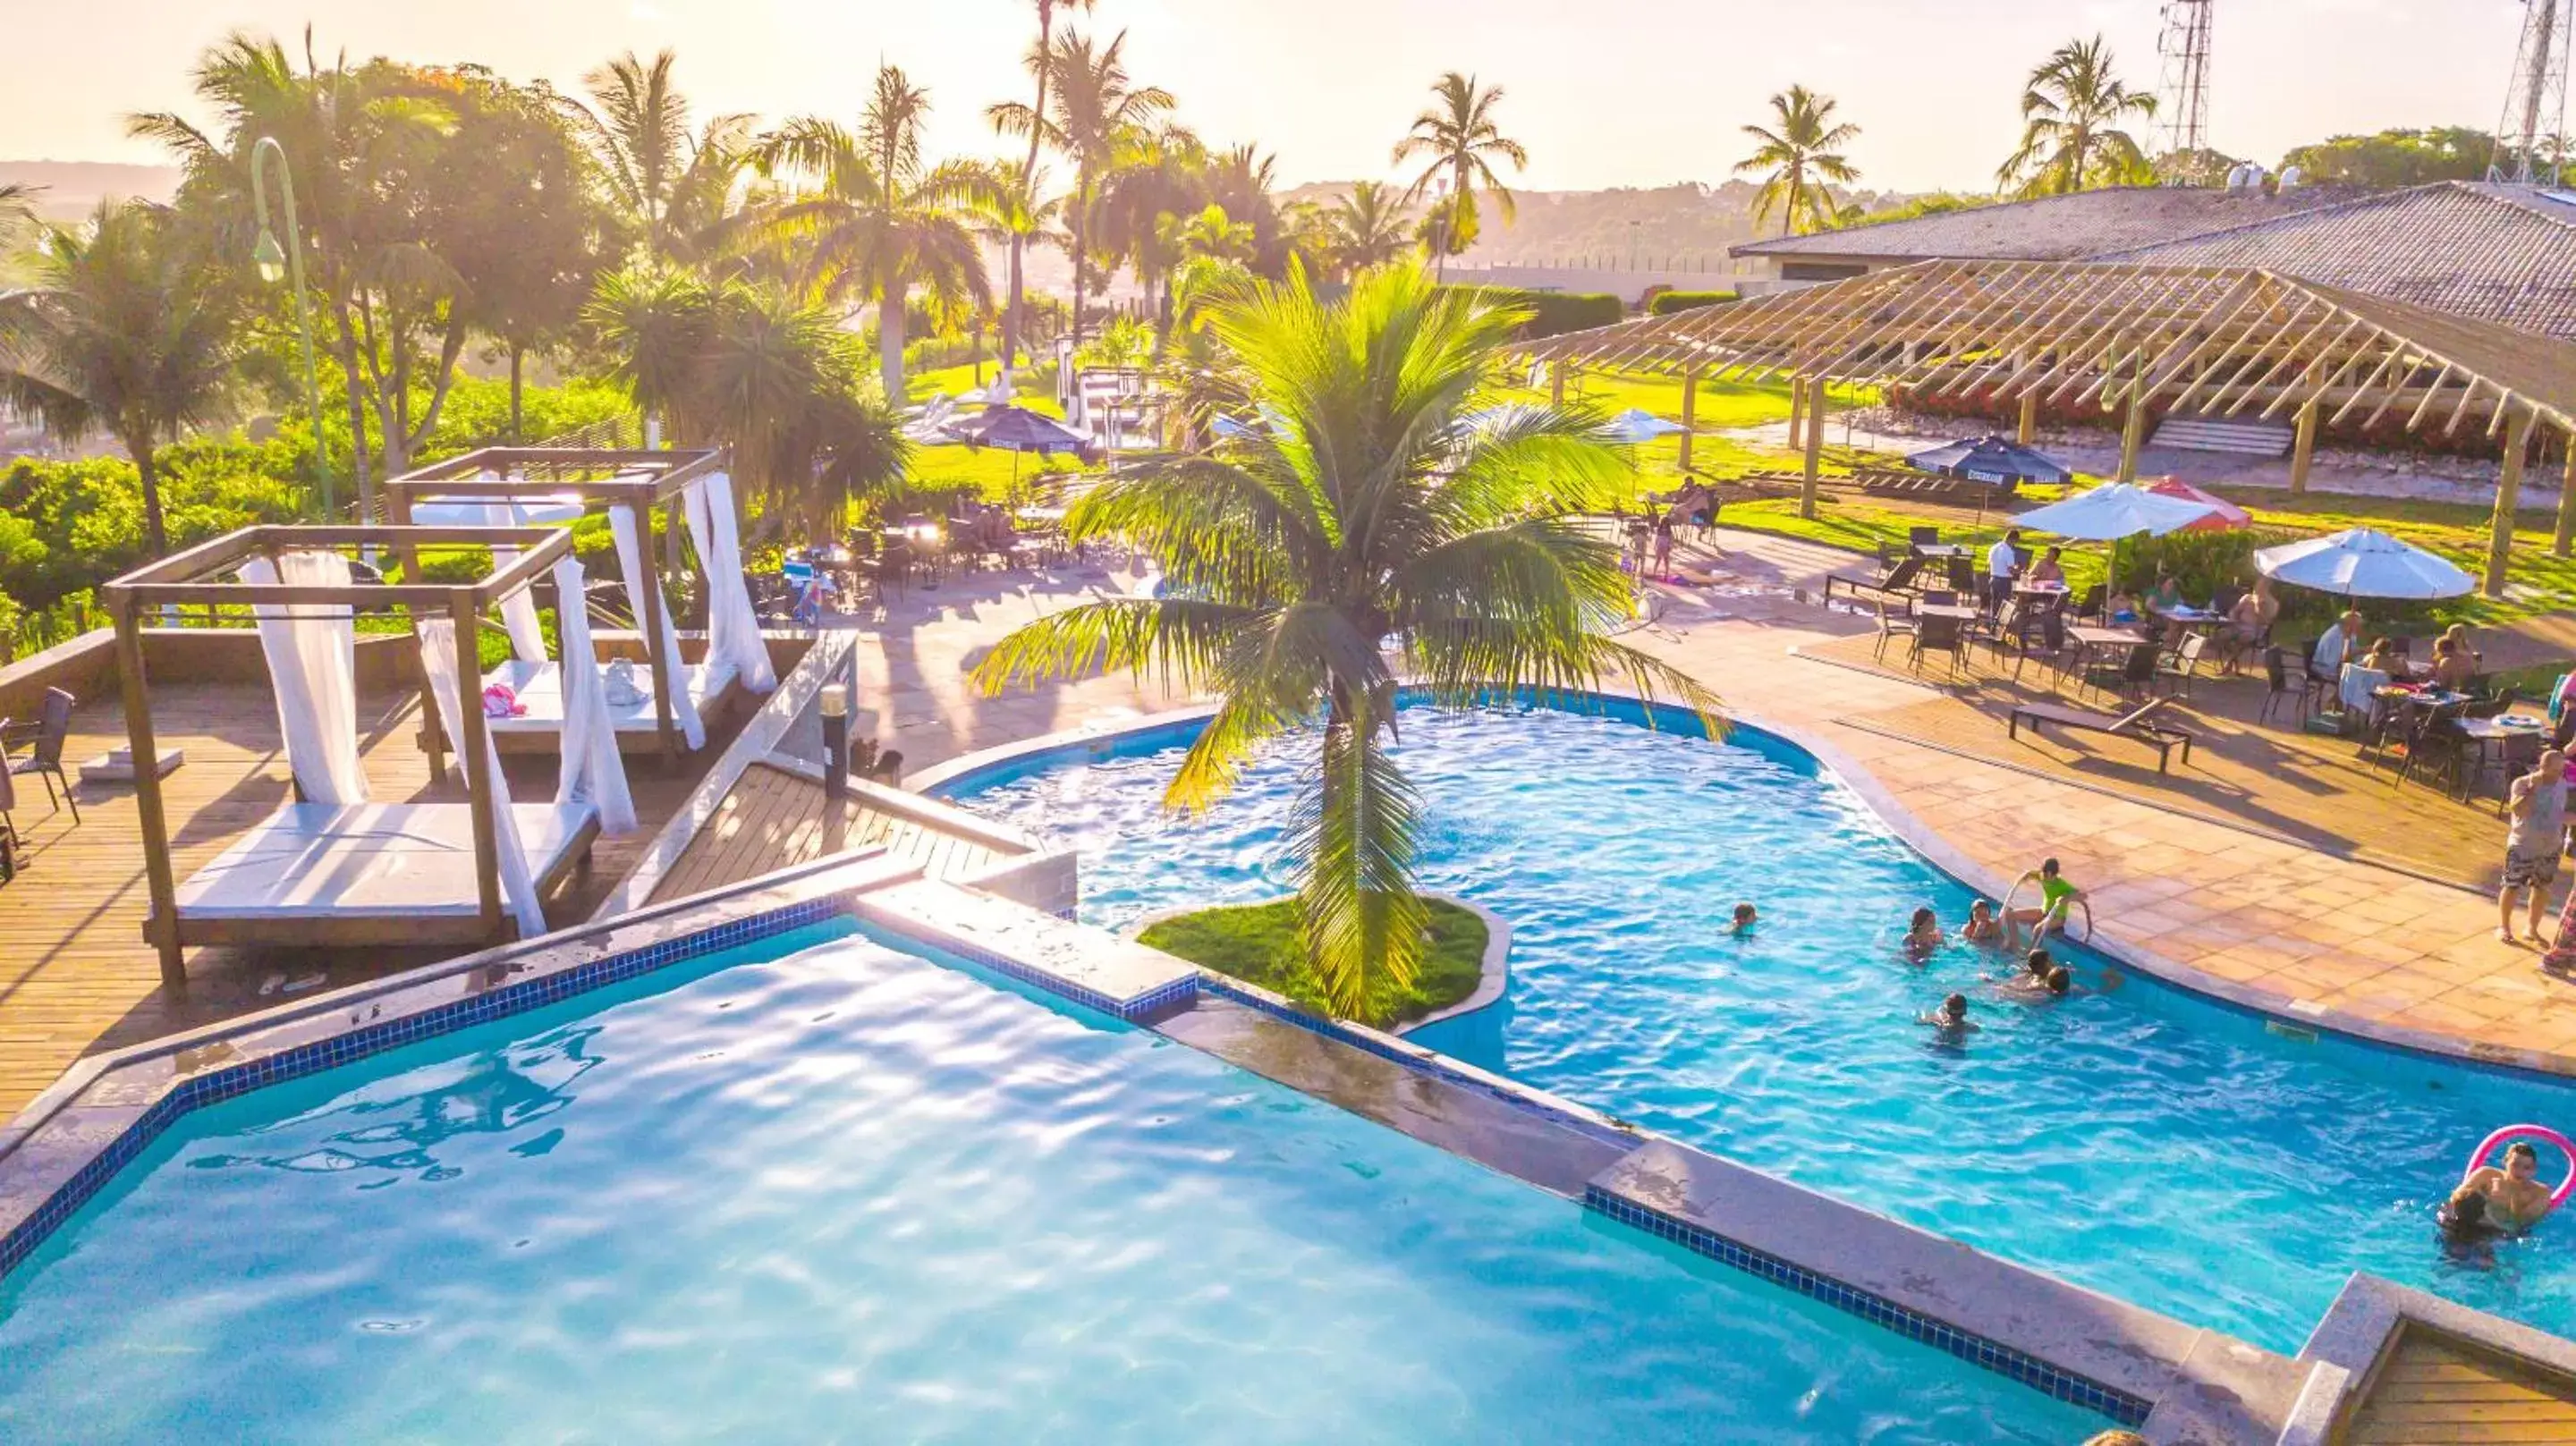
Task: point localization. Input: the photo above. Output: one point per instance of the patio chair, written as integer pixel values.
(1890, 627)
(2286, 684)
(45, 739)
(1923, 536)
(2432, 743)
(2090, 604)
(1940, 597)
(8, 830)
(1942, 635)
(2183, 661)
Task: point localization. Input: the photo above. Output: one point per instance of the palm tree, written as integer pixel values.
(672, 188)
(1160, 176)
(125, 330)
(1800, 150)
(881, 224)
(1369, 510)
(17, 214)
(739, 360)
(1369, 228)
(1459, 136)
(1013, 211)
(2073, 110)
(1015, 318)
(1095, 112)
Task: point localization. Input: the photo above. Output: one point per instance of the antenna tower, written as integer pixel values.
(2530, 139)
(2183, 94)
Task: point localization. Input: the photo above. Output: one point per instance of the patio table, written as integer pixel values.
(2495, 740)
(1960, 611)
(2112, 642)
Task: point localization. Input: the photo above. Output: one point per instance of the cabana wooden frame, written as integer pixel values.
(638, 480)
(2219, 341)
(196, 576)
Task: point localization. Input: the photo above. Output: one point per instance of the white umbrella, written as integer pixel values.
(2114, 511)
(1637, 426)
(2363, 563)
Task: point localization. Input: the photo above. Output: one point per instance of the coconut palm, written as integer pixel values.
(1161, 175)
(1094, 115)
(2073, 110)
(1369, 512)
(124, 329)
(1014, 319)
(1461, 142)
(1799, 151)
(881, 224)
(1012, 210)
(673, 188)
(746, 361)
(17, 214)
(1369, 228)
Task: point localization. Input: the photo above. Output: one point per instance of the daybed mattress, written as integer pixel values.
(540, 690)
(369, 860)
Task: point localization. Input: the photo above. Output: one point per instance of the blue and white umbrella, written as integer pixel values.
(2363, 563)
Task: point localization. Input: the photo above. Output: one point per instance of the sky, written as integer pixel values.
(1603, 92)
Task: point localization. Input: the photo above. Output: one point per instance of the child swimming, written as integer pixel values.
(1982, 926)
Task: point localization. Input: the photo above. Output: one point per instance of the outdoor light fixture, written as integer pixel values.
(269, 257)
(835, 707)
(276, 263)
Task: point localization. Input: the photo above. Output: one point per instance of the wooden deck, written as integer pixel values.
(773, 819)
(75, 974)
(2437, 1392)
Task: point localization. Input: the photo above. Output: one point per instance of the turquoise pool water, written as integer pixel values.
(839, 1193)
(2132, 1137)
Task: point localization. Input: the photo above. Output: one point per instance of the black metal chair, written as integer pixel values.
(1942, 635)
(2432, 742)
(45, 739)
(2286, 684)
(8, 831)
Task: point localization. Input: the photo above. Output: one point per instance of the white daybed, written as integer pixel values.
(539, 687)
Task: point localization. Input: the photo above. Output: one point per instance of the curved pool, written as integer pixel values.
(2134, 1137)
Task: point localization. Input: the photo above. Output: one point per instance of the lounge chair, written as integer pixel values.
(45, 739)
(2137, 724)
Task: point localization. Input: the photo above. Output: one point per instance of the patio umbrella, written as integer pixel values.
(2363, 563)
(2111, 512)
(1017, 430)
(1636, 426)
(2225, 516)
(1990, 459)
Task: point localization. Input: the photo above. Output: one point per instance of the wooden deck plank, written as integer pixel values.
(2438, 1393)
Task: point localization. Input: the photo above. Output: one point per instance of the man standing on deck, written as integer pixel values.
(2003, 564)
(2535, 835)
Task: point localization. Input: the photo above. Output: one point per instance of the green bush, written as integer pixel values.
(1262, 944)
(1553, 313)
(1666, 303)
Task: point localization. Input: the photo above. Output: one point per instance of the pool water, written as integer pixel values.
(833, 1192)
(2132, 1137)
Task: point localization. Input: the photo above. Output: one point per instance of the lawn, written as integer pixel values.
(1260, 944)
(990, 471)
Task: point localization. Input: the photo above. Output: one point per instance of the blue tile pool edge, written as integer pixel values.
(1126, 737)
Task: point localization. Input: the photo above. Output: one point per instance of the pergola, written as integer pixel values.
(637, 481)
(2218, 342)
(201, 575)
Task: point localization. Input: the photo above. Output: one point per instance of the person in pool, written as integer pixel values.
(2467, 1235)
(1745, 918)
(1923, 937)
(1951, 1018)
(2056, 895)
(1982, 926)
(2041, 978)
(2515, 1198)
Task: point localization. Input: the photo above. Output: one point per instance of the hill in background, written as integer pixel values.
(73, 189)
(1682, 225)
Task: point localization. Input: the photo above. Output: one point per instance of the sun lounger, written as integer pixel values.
(540, 690)
(372, 873)
(2138, 725)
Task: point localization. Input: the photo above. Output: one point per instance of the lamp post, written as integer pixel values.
(276, 264)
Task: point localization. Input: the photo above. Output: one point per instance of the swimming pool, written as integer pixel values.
(818, 1189)
(2133, 1138)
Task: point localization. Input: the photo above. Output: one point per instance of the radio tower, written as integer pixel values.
(2183, 95)
(2530, 140)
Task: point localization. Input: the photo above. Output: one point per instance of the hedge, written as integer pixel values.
(1553, 313)
(1668, 302)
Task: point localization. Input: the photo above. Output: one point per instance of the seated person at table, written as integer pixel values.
(2383, 657)
(1982, 926)
(2335, 647)
(2047, 570)
(1923, 937)
(2253, 615)
(2515, 1197)
(2166, 595)
(2120, 609)
(2454, 667)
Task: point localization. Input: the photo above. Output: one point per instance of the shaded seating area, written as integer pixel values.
(663, 705)
(333, 866)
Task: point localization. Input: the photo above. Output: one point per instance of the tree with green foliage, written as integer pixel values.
(1011, 210)
(2396, 158)
(880, 223)
(673, 189)
(1094, 115)
(1369, 228)
(1015, 318)
(123, 330)
(1797, 154)
(775, 376)
(1459, 141)
(1374, 529)
(2075, 110)
(17, 214)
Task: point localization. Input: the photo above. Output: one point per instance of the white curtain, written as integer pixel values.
(313, 661)
(630, 561)
(518, 610)
(733, 631)
(593, 773)
(518, 881)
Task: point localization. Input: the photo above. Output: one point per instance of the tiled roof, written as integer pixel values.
(2057, 228)
(2495, 253)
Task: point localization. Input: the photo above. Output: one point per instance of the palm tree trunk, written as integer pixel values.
(1081, 250)
(1017, 317)
(890, 344)
(141, 449)
(1797, 193)
(1011, 316)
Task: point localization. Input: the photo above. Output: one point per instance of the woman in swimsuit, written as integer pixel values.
(2515, 1197)
(1923, 938)
(1982, 926)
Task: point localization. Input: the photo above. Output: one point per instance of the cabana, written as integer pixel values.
(507, 486)
(333, 867)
